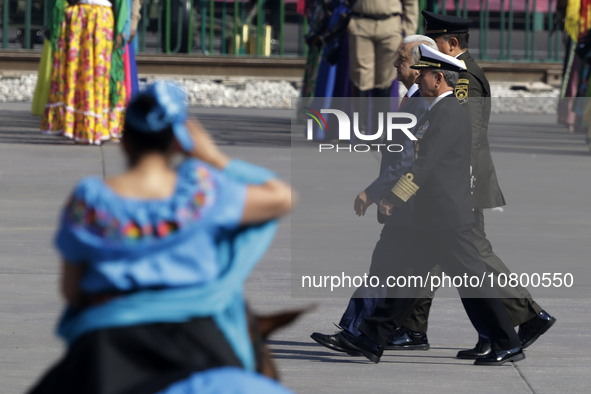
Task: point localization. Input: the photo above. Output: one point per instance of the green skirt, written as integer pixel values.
(43, 80)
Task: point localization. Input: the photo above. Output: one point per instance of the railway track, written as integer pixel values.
(224, 67)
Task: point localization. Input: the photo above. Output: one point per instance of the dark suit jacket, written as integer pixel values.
(394, 165)
(473, 92)
(442, 167)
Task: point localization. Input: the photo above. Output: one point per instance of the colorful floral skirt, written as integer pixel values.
(79, 106)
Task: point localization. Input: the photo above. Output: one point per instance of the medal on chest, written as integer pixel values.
(419, 134)
(421, 131)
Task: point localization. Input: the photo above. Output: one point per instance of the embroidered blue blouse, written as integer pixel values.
(132, 244)
(114, 234)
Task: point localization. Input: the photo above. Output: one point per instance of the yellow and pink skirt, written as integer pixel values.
(78, 105)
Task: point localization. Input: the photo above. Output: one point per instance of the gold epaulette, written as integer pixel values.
(405, 188)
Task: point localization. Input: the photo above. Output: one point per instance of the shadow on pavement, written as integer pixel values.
(17, 127)
(536, 134)
(20, 127)
(248, 131)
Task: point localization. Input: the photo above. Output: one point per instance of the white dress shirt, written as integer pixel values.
(439, 98)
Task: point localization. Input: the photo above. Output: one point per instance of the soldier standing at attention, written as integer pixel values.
(473, 92)
(376, 31)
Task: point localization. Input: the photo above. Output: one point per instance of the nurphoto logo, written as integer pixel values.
(344, 130)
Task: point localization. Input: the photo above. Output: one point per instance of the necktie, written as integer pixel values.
(403, 100)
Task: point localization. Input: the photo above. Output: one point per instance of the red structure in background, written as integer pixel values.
(495, 5)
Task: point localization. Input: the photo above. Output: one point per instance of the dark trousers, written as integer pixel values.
(517, 301)
(388, 252)
(457, 255)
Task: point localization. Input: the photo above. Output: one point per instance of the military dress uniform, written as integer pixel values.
(439, 179)
(376, 31)
(473, 93)
(375, 35)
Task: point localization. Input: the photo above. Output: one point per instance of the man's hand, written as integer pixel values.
(362, 202)
(385, 207)
(118, 42)
(131, 36)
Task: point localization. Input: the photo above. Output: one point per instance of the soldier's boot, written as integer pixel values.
(362, 108)
(380, 104)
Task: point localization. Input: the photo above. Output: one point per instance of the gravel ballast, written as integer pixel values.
(278, 94)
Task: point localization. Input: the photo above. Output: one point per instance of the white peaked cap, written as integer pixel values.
(432, 58)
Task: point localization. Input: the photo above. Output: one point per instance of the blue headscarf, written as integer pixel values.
(170, 111)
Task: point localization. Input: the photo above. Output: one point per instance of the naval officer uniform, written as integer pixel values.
(440, 180)
(473, 92)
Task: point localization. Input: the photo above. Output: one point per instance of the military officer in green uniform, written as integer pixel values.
(473, 92)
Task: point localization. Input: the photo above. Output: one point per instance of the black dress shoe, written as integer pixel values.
(333, 342)
(368, 348)
(406, 339)
(532, 329)
(500, 357)
(481, 349)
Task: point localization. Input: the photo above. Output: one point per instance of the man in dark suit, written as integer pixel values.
(473, 92)
(396, 233)
(443, 220)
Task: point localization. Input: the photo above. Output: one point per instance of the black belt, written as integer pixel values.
(375, 17)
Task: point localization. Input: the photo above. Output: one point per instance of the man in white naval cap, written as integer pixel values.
(439, 179)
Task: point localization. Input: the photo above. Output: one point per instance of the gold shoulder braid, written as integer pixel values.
(405, 188)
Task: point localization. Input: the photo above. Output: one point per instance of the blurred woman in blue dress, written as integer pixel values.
(155, 259)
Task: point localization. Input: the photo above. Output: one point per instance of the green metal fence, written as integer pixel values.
(222, 27)
(241, 28)
(532, 23)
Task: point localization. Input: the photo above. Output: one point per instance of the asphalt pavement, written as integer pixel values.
(545, 174)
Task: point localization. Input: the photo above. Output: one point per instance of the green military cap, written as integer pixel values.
(437, 25)
(432, 58)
